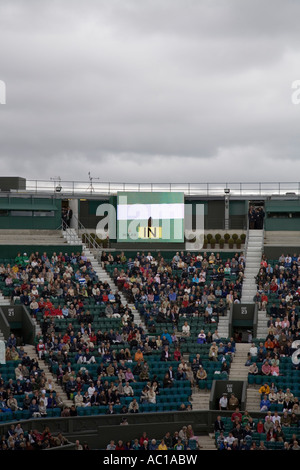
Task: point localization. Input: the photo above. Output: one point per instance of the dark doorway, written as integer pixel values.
(256, 215)
(242, 334)
(18, 332)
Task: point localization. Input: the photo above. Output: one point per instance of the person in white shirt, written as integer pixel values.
(186, 329)
(276, 417)
(91, 389)
(128, 391)
(216, 336)
(223, 402)
(149, 256)
(229, 439)
(253, 350)
(273, 397)
(152, 396)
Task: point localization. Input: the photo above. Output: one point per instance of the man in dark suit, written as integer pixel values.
(165, 354)
(69, 216)
(219, 424)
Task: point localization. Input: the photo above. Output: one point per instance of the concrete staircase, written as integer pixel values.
(73, 239)
(262, 324)
(104, 276)
(70, 236)
(253, 399)
(4, 300)
(253, 255)
(207, 442)
(238, 370)
(223, 326)
(31, 351)
(2, 336)
(200, 399)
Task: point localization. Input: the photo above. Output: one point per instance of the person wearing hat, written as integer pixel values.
(223, 402)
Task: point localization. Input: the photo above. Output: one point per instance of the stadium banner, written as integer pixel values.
(154, 217)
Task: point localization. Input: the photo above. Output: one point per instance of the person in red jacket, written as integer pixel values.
(120, 446)
(263, 301)
(236, 414)
(260, 426)
(143, 438)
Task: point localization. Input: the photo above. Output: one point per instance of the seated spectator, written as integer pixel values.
(186, 329)
(273, 397)
(213, 352)
(229, 349)
(266, 368)
(265, 403)
(201, 337)
(236, 414)
(201, 373)
(253, 369)
(133, 406)
(264, 389)
(286, 419)
(219, 424)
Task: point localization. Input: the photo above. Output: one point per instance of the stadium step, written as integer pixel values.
(207, 442)
(253, 253)
(200, 399)
(253, 399)
(31, 351)
(4, 300)
(71, 237)
(104, 276)
(223, 326)
(262, 324)
(238, 370)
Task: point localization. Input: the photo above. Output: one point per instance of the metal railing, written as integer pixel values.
(71, 234)
(87, 238)
(79, 232)
(69, 188)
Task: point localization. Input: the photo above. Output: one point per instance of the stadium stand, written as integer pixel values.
(138, 334)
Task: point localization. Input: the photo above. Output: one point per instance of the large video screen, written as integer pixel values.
(150, 217)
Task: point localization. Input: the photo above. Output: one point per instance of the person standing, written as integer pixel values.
(69, 215)
(223, 402)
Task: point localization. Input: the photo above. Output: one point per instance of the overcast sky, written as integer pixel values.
(150, 90)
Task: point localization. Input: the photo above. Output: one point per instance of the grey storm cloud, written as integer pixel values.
(171, 90)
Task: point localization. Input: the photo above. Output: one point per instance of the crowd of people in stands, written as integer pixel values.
(30, 385)
(167, 292)
(180, 288)
(244, 429)
(281, 282)
(278, 291)
(17, 439)
(189, 284)
(184, 439)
